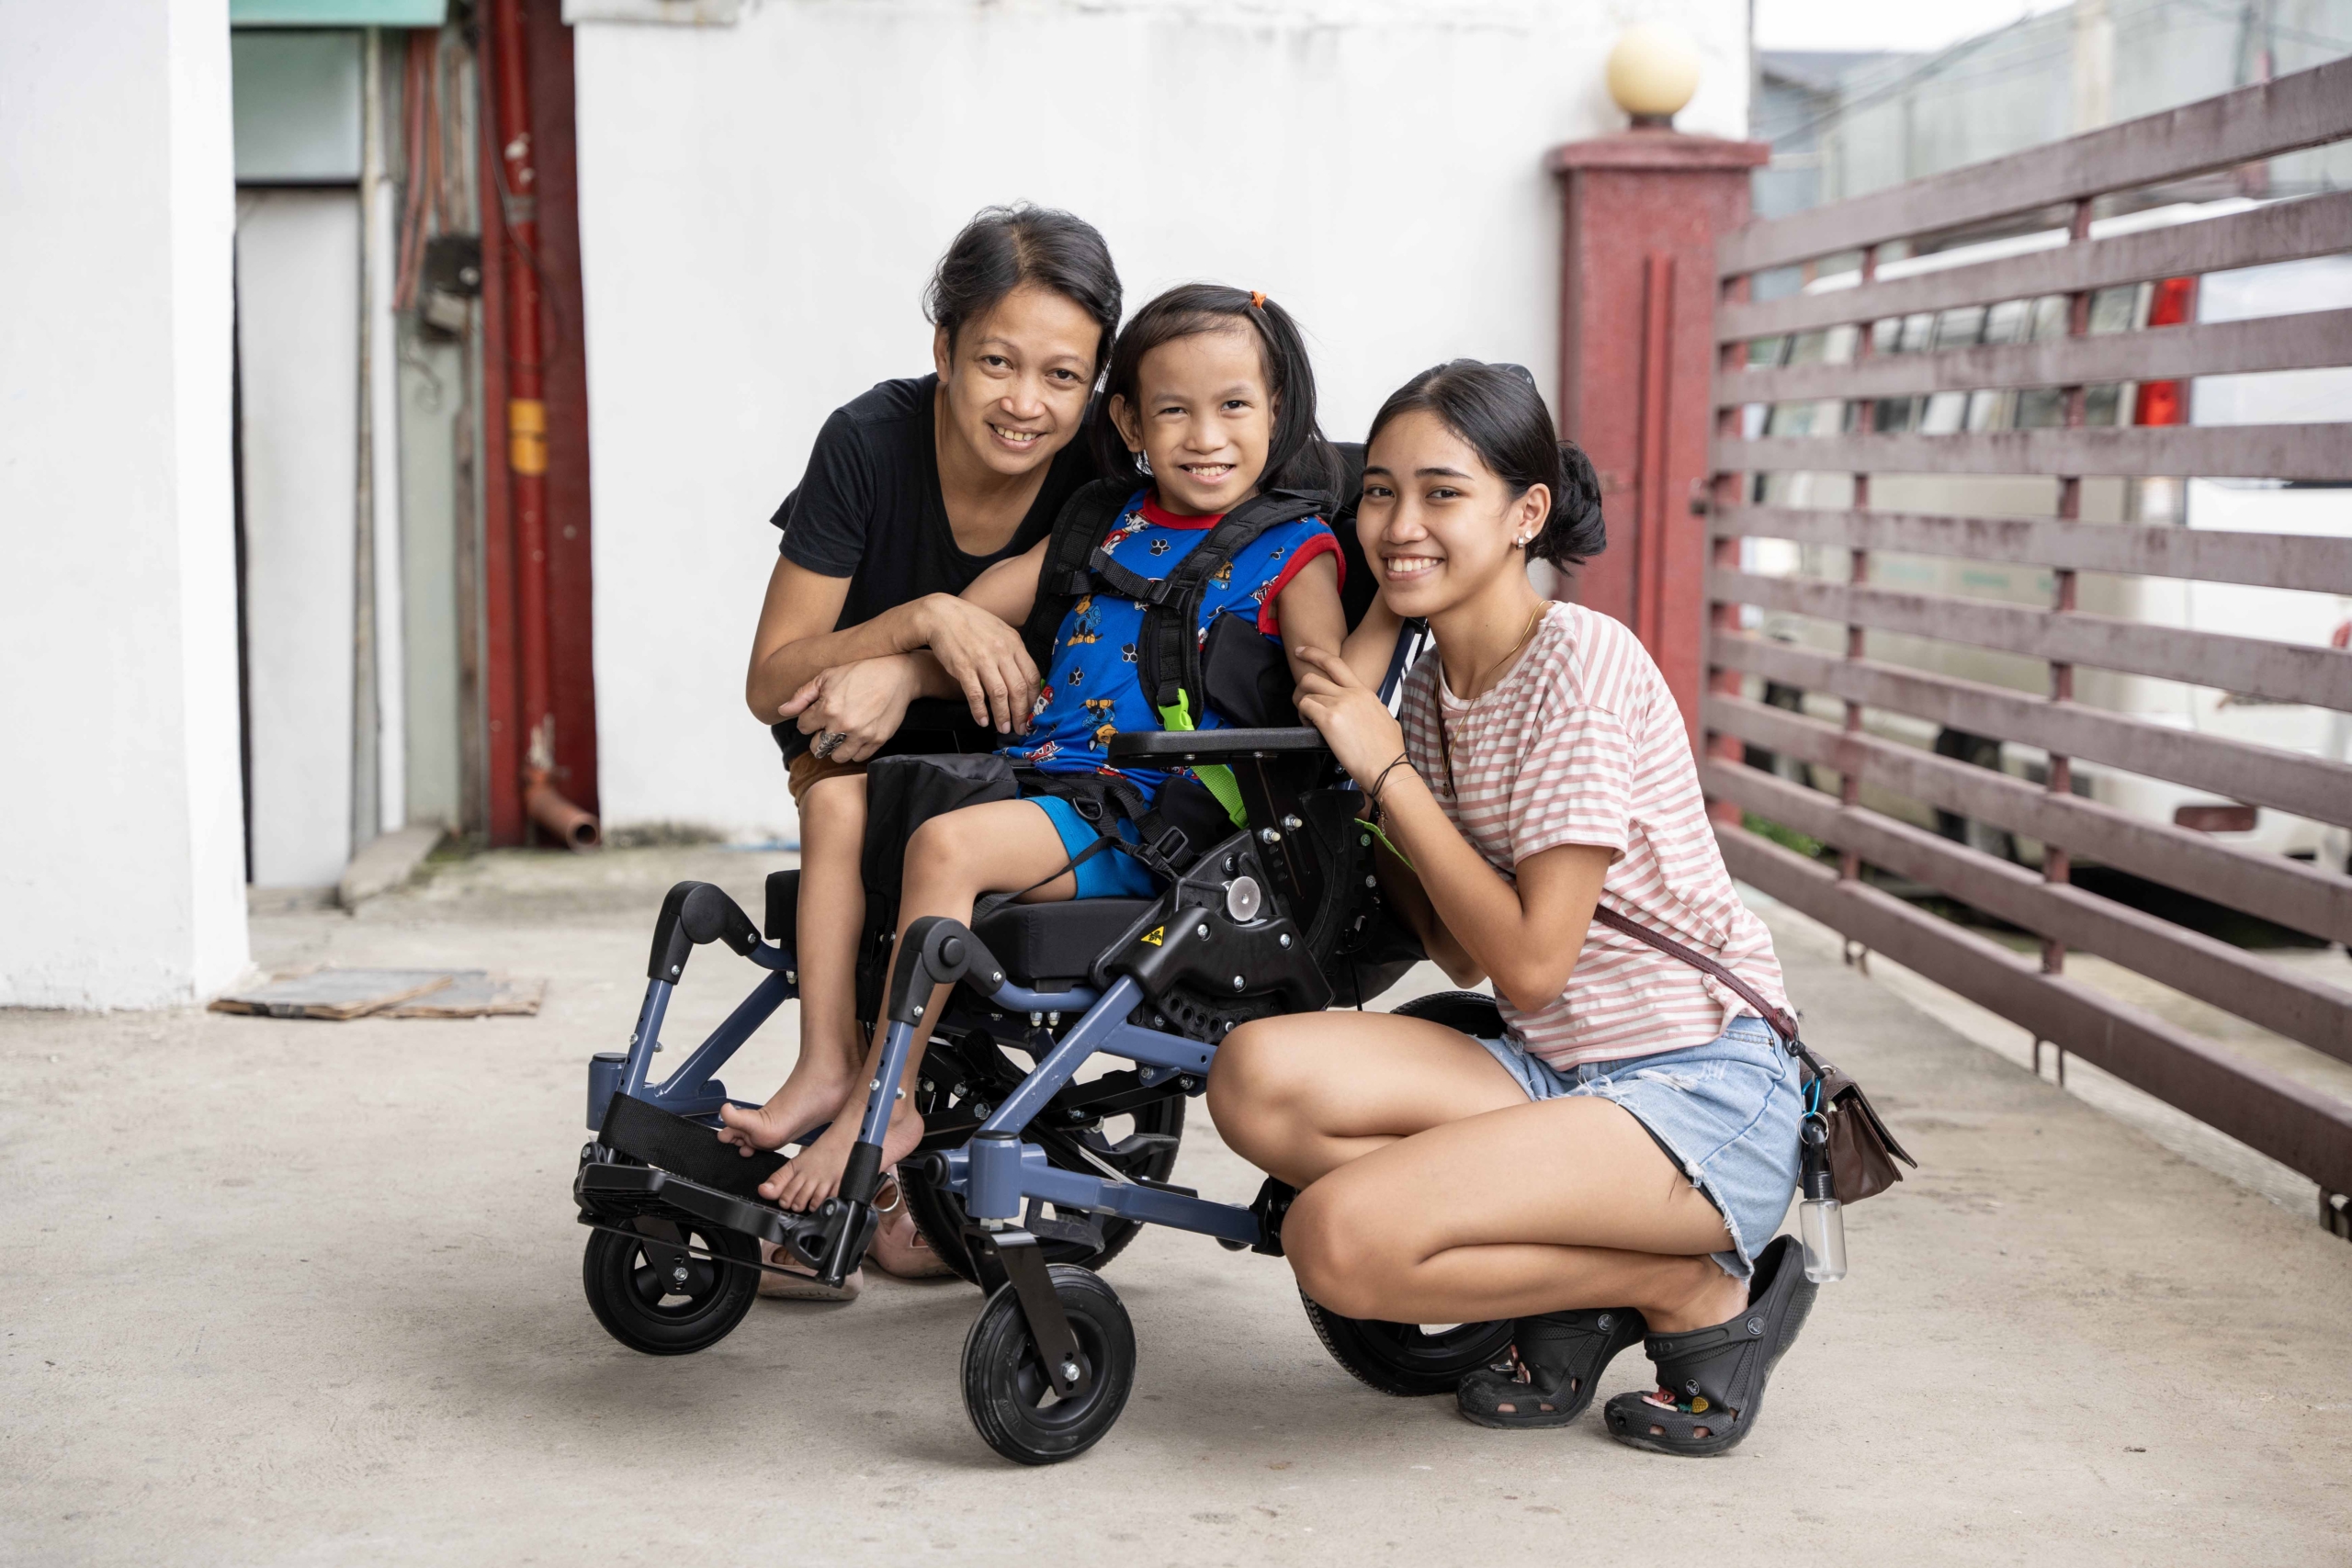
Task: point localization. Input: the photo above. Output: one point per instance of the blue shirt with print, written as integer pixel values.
(1091, 692)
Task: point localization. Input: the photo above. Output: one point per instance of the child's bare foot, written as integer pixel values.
(816, 1174)
(813, 1095)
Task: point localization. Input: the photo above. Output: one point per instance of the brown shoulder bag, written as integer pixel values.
(1861, 1151)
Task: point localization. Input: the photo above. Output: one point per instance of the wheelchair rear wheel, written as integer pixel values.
(1470, 1012)
(1410, 1360)
(1007, 1393)
(653, 1295)
(1407, 1359)
(940, 1213)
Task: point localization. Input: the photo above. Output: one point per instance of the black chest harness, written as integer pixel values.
(1175, 666)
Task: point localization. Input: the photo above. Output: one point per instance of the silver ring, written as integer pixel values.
(827, 743)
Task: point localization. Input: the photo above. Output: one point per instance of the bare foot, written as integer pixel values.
(816, 1174)
(813, 1095)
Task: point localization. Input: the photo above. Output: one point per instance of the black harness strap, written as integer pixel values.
(1168, 653)
(1085, 518)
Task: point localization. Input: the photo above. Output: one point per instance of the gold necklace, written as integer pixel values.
(1444, 746)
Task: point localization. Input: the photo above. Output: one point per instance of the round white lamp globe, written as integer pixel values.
(1653, 71)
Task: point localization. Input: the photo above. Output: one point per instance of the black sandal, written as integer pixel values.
(1556, 1361)
(1715, 1377)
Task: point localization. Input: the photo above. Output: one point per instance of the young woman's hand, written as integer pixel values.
(865, 701)
(1363, 733)
(983, 655)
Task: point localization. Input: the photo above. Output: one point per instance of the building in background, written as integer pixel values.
(1843, 125)
(761, 200)
(304, 484)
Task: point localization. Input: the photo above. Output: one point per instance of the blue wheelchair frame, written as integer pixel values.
(993, 1182)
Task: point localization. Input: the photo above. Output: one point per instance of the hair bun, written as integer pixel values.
(1576, 530)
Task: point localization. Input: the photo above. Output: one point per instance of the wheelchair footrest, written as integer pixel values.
(679, 1169)
(684, 1147)
(608, 1194)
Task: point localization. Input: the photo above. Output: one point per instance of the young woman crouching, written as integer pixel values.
(1615, 1164)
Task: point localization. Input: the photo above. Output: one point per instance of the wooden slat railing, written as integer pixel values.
(2273, 888)
(2286, 231)
(2276, 671)
(2258, 775)
(2261, 121)
(2264, 560)
(2306, 1129)
(2312, 340)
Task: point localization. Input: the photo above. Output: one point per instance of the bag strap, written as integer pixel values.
(1782, 1024)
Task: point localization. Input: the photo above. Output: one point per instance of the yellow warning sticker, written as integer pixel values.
(1156, 936)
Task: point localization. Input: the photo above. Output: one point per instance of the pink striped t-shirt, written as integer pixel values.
(1581, 743)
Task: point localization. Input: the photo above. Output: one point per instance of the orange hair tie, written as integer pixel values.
(1257, 298)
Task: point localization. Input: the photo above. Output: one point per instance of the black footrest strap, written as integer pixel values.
(683, 1148)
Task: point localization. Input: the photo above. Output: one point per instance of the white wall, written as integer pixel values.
(121, 874)
(297, 329)
(761, 205)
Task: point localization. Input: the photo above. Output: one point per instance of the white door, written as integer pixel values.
(298, 344)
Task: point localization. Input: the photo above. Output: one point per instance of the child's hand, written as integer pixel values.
(1361, 732)
(984, 655)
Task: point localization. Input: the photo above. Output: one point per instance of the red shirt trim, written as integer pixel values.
(1160, 517)
(1324, 543)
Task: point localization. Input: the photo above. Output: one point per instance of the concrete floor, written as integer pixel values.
(310, 1292)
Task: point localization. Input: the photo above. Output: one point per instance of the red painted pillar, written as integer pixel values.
(1640, 215)
(520, 346)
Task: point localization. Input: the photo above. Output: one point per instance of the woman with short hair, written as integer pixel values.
(864, 649)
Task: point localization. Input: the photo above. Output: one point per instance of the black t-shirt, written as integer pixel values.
(869, 508)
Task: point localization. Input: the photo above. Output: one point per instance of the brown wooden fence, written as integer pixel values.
(2061, 186)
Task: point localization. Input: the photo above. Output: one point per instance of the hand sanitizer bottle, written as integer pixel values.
(1821, 1225)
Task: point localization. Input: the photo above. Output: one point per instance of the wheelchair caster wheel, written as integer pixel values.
(1007, 1392)
(653, 1295)
(1407, 1359)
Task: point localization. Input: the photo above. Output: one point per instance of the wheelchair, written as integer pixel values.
(1028, 1182)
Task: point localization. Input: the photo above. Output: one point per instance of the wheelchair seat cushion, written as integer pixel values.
(1057, 941)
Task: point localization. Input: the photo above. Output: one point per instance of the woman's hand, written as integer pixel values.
(983, 655)
(1363, 733)
(865, 702)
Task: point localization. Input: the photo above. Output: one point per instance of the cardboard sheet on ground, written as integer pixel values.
(339, 993)
(470, 993)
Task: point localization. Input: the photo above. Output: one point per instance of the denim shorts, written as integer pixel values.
(1726, 1113)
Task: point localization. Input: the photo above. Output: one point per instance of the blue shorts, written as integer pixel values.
(1107, 873)
(1726, 1113)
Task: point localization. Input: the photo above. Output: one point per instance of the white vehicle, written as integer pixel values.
(2237, 505)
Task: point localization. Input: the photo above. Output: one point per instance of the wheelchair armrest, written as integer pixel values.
(1168, 748)
(692, 914)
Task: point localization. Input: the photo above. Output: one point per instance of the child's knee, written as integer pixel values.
(938, 852)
